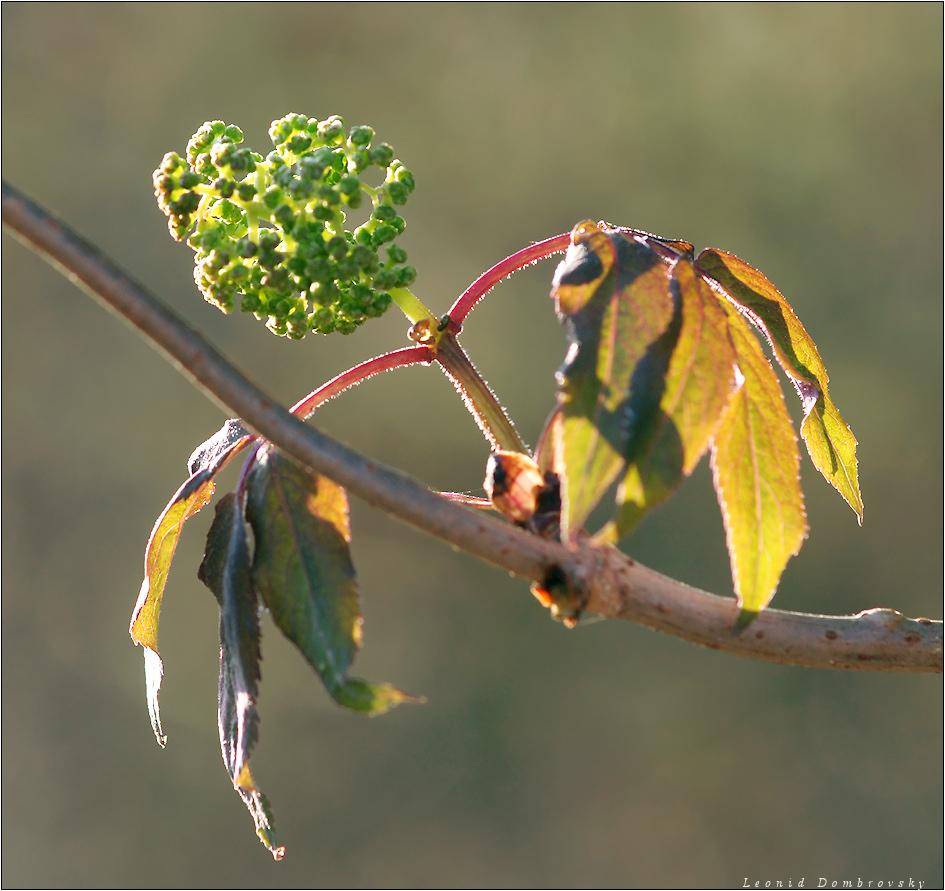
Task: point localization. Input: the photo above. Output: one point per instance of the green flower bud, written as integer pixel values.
(406, 276)
(242, 161)
(349, 185)
(285, 217)
(186, 204)
(359, 162)
(398, 193)
(381, 155)
(346, 270)
(383, 233)
(396, 254)
(360, 136)
(320, 270)
(299, 144)
(189, 179)
(403, 176)
(332, 130)
(246, 191)
(272, 197)
(338, 247)
(301, 189)
(385, 280)
(363, 256)
(384, 212)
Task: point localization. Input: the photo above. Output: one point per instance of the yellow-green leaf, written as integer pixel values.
(189, 498)
(755, 466)
(194, 494)
(830, 442)
(612, 291)
(697, 387)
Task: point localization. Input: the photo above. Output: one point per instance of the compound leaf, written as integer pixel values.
(830, 442)
(612, 291)
(697, 387)
(755, 466)
(194, 494)
(226, 571)
(303, 572)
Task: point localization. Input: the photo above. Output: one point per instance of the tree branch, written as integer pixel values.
(602, 579)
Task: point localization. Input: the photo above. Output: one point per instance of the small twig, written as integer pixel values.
(605, 581)
(557, 244)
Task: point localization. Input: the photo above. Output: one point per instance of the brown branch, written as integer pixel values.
(602, 579)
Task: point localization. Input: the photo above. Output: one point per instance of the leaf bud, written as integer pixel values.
(513, 482)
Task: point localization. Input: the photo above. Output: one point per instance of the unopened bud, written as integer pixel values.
(513, 483)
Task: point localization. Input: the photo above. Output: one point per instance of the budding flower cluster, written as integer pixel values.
(269, 233)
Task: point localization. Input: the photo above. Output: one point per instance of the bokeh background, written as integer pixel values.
(805, 138)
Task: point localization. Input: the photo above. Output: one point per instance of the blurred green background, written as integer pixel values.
(805, 138)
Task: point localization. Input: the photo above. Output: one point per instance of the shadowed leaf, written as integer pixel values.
(303, 571)
(830, 443)
(697, 387)
(194, 494)
(755, 466)
(226, 571)
(613, 294)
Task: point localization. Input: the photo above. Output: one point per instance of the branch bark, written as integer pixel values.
(602, 579)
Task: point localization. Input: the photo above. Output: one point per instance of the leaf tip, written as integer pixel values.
(153, 673)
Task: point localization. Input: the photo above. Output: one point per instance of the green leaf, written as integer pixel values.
(613, 294)
(755, 466)
(830, 443)
(194, 494)
(303, 571)
(697, 388)
(226, 571)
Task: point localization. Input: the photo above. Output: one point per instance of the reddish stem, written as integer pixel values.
(489, 279)
(388, 361)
